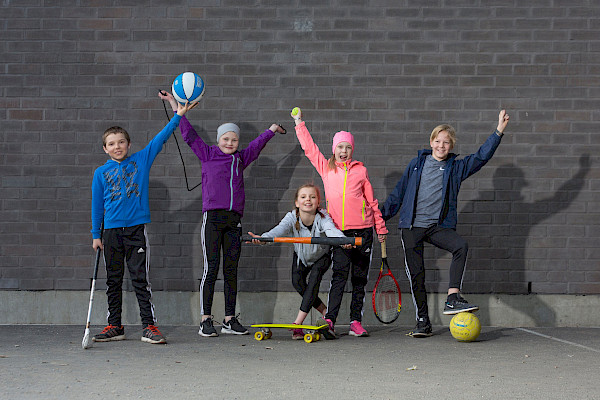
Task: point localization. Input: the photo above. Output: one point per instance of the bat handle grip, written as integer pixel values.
(383, 250)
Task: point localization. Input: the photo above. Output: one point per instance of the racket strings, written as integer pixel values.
(386, 299)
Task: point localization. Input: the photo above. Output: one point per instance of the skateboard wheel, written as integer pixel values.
(317, 337)
(269, 334)
(308, 338)
(259, 335)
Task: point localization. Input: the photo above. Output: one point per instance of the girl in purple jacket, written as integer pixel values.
(223, 207)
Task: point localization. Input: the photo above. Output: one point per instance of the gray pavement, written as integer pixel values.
(47, 362)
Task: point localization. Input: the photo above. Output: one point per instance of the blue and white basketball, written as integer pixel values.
(188, 87)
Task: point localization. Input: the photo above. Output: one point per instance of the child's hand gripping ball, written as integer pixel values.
(296, 113)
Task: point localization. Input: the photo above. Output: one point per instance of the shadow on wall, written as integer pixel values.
(498, 224)
(264, 268)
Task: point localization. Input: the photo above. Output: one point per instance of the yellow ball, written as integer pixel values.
(295, 111)
(465, 327)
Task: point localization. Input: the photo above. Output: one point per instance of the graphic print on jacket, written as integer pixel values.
(115, 176)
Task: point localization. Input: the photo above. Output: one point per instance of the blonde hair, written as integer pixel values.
(444, 127)
(317, 190)
(115, 129)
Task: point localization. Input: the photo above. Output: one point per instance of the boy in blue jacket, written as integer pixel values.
(427, 196)
(120, 200)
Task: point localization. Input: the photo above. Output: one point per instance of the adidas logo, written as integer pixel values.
(367, 250)
(239, 225)
(141, 250)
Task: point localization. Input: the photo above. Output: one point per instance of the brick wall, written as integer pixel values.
(386, 70)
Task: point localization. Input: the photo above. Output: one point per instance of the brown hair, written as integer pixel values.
(306, 185)
(444, 127)
(331, 163)
(115, 129)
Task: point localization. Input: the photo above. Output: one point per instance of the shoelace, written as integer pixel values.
(154, 329)
(108, 328)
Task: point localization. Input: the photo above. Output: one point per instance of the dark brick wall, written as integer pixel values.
(387, 70)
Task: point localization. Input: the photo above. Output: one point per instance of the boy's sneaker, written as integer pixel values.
(329, 332)
(297, 334)
(456, 304)
(356, 329)
(151, 334)
(423, 329)
(110, 333)
(207, 329)
(233, 326)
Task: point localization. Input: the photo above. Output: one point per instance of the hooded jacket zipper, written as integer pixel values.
(231, 183)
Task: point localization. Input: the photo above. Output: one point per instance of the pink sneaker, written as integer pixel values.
(330, 332)
(356, 329)
(297, 334)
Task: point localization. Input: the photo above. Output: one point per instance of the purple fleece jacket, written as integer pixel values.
(223, 174)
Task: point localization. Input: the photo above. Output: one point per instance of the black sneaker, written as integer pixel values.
(423, 329)
(458, 305)
(233, 326)
(110, 333)
(151, 334)
(207, 329)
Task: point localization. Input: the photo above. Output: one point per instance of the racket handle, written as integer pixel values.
(383, 250)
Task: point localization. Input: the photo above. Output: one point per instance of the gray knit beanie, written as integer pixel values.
(227, 127)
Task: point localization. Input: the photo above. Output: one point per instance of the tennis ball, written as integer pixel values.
(295, 111)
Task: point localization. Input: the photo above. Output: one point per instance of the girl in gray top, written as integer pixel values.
(310, 261)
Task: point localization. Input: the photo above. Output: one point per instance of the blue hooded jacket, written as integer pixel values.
(120, 189)
(404, 196)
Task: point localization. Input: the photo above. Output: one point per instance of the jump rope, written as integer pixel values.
(179, 149)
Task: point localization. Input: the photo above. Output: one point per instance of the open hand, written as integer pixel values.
(183, 108)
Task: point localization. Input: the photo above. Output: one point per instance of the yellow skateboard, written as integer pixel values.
(311, 333)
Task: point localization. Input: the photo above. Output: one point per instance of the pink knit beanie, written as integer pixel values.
(342, 136)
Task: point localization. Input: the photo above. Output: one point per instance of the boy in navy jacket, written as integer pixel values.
(120, 200)
(426, 197)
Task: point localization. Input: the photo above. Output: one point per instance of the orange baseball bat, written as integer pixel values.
(333, 241)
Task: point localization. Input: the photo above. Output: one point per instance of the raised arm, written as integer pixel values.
(311, 150)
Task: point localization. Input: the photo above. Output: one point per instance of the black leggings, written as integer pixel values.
(354, 262)
(309, 290)
(221, 230)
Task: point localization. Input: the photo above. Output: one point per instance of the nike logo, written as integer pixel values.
(367, 250)
(442, 169)
(450, 305)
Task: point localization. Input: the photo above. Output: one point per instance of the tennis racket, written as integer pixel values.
(333, 241)
(387, 299)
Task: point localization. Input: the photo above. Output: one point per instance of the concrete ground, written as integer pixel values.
(48, 362)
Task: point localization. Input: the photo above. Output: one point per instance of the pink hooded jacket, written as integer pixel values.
(350, 198)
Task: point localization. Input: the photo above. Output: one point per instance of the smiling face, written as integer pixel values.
(343, 152)
(307, 200)
(229, 142)
(117, 146)
(441, 146)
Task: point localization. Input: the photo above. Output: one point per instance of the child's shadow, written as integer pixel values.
(269, 196)
(497, 225)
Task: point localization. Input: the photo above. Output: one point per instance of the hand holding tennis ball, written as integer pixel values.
(296, 113)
